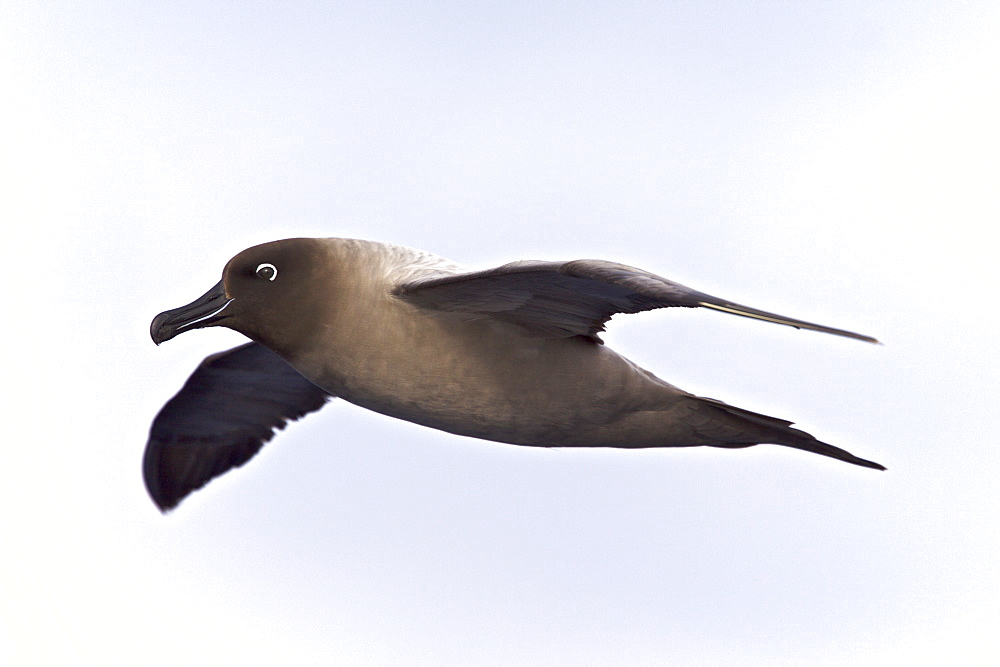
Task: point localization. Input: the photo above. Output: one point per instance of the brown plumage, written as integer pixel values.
(511, 354)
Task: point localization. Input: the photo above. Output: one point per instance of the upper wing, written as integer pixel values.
(226, 411)
(562, 299)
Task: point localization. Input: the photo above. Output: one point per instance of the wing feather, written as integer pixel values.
(577, 298)
(230, 406)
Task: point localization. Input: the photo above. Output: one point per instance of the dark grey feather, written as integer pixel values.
(230, 406)
(562, 299)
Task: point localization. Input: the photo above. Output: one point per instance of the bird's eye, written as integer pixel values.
(267, 271)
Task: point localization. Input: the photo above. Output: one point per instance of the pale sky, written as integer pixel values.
(834, 162)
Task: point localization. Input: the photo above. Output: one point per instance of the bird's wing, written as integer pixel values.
(229, 407)
(562, 299)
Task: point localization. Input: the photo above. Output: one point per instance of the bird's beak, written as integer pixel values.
(204, 311)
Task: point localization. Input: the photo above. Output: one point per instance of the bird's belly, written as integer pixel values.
(521, 391)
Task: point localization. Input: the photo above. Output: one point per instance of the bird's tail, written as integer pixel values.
(780, 432)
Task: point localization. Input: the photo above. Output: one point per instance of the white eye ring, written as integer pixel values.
(264, 267)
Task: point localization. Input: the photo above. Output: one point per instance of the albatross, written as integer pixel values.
(511, 354)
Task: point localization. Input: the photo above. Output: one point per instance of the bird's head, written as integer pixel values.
(269, 293)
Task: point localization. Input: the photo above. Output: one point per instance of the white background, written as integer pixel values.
(836, 162)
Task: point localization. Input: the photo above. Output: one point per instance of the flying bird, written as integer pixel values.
(511, 354)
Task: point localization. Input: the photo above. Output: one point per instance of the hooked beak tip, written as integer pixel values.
(157, 329)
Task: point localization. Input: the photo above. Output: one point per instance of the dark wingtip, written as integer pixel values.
(162, 496)
(819, 447)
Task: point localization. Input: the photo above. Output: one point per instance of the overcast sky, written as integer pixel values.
(835, 162)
